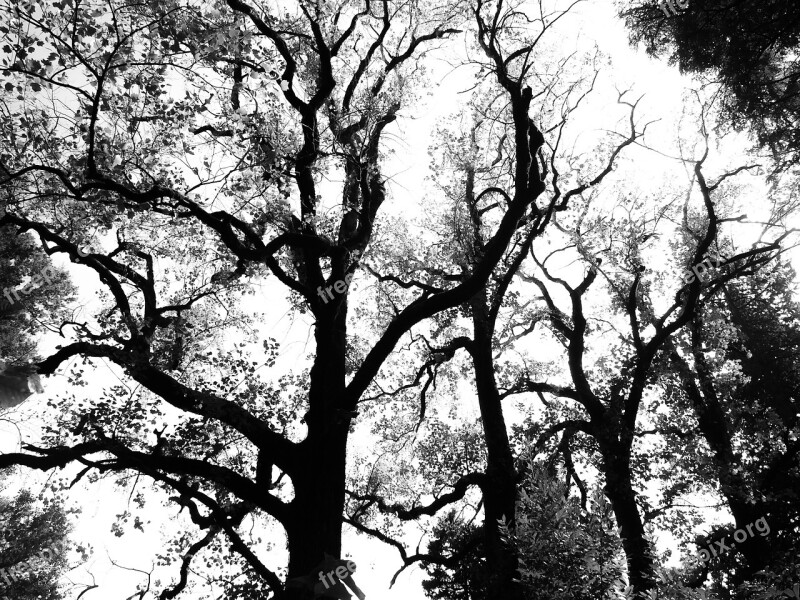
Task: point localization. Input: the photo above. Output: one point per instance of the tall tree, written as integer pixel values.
(211, 123)
(612, 394)
(747, 419)
(485, 346)
(485, 184)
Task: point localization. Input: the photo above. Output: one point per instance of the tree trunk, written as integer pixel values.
(619, 490)
(733, 486)
(500, 492)
(713, 425)
(315, 525)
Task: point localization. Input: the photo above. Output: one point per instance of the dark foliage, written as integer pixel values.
(32, 540)
(565, 551)
(750, 48)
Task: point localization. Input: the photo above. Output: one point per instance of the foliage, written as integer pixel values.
(749, 48)
(25, 319)
(462, 542)
(28, 527)
(566, 551)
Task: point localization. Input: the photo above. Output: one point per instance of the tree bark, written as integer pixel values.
(315, 524)
(620, 492)
(713, 426)
(500, 491)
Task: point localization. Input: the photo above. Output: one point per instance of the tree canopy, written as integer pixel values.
(748, 49)
(535, 361)
(34, 548)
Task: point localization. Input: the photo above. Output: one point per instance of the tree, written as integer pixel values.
(611, 392)
(470, 214)
(747, 48)
(565, 550)
(21, 307)
(501, 478)
(33, 553)
(462, 544)
(741, 393)
(205, 122)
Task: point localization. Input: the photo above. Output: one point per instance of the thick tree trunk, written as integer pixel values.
(316, 521)
(500, 492)
(713, 425)
(733, 486)
(619, 490)
(315, 525)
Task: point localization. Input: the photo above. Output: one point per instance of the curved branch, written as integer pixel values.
(407, 560)
(170, 593)
(406, 514)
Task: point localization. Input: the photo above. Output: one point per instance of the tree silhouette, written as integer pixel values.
(205, 124)
(748, 48)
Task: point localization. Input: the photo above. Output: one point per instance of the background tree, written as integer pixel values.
(612, 391)
(25, 316)
(462, 544)
(29, 525)
(565, 550)
(735, 368)
(33, 547)
(748, 48)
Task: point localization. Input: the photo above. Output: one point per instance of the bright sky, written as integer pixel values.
(592, 23)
